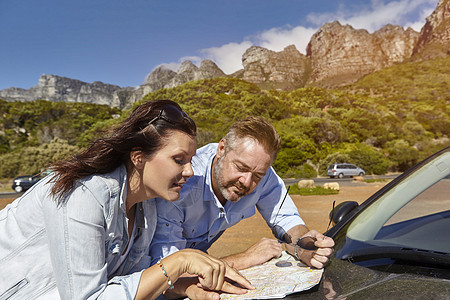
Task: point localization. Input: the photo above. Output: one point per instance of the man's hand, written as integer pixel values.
(317, 258)
(264, 250)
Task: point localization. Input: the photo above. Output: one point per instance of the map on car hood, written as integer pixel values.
(278, 278)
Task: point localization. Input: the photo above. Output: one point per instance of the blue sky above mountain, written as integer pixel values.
(120, 42)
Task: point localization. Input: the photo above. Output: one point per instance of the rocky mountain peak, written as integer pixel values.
(188, 72)
(395, 42)
(285, 69)
(159, 76)
(209, 69)
(58, 88)
(434, 40)
(187, 67)
(341, 54)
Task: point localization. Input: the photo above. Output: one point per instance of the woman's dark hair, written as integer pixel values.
(146, 129)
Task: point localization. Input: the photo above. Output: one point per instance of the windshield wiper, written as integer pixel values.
(417, 256)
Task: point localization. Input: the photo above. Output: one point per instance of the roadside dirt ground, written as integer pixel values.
(314, 210)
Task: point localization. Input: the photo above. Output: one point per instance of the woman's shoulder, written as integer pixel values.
(104, 186)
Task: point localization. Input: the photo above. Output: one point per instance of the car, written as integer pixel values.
(23, 183)
(344, 170)
(394, 245)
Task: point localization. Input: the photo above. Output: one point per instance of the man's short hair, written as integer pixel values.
(256, 128)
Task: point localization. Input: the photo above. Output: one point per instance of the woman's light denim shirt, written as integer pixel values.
(68, 251)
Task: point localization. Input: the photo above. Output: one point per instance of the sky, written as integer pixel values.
(121, 41)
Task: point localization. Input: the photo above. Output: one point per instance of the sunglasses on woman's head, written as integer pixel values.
(172, 114)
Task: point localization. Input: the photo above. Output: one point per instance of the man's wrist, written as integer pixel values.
(295, 252)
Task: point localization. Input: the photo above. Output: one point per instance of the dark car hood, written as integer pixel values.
(345, 280)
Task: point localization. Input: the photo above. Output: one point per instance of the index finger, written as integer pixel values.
(232, 289)
(238, 278)
(325, 242)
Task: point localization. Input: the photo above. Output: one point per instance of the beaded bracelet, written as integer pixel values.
(169, 282)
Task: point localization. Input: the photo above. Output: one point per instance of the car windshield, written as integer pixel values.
(413, 215)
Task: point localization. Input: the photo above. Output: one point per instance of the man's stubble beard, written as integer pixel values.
(218, 167)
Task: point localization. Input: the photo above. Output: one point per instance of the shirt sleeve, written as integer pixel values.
(168, 236)
(272, 193)
(76, 235)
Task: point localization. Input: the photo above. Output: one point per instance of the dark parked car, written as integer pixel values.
(344, 170)
(395, 245)
(23, 183)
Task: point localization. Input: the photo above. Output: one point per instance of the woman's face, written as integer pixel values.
(164, 174)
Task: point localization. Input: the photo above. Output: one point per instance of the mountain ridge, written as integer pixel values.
(336, 55)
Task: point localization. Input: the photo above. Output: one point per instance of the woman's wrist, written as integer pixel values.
(163, 270)
(171, 267)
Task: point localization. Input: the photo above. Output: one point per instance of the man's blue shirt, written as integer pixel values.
(198, 219)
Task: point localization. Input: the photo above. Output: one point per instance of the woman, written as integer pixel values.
(84, 231)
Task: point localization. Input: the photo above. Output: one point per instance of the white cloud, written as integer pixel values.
(277, 39)
(171, 66)
(229, 56)
(417, 25)
(174, 66)
(380, 13)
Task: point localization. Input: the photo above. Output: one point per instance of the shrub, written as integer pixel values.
(369, 159)
(288, 159)
(401, 155)
(318, 190)
(303, 171)
(31, 160)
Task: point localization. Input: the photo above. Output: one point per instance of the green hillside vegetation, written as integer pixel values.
(35, 134)
(387, 121)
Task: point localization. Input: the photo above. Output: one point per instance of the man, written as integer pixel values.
(230, 179)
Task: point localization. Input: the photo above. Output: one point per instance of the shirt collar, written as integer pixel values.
(208, 192)
(139, 218)
(123, 193)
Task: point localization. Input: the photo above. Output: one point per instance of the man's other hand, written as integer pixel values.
(319, 257)
(262, 251)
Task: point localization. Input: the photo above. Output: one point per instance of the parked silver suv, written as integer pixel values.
(341, 170)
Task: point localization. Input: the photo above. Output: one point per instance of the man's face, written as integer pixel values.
(238, 172)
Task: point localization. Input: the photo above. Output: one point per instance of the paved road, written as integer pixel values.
(342, 181)
(9, 195)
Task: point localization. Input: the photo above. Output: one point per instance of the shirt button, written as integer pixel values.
(114, 249)
(167, 224)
